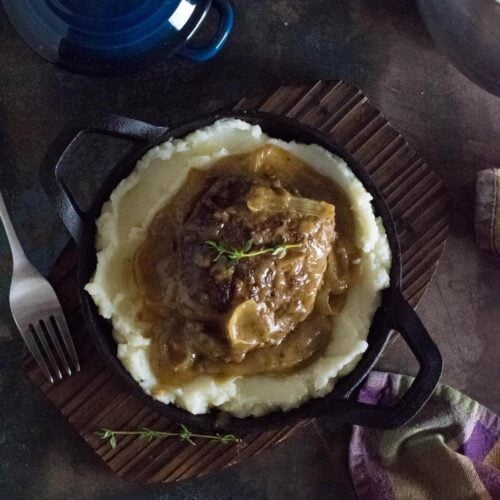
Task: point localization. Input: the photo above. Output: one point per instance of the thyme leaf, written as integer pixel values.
(184, 434)
(234, 255)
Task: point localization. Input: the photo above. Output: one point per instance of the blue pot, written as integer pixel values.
(114, 36)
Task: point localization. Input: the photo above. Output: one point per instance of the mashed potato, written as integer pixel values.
(122, 227)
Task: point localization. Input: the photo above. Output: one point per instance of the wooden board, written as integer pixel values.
(94, 398)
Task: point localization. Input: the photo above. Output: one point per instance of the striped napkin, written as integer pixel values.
(487, 212)
(450, 450)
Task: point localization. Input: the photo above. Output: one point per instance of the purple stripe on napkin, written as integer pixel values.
(479, 444)
(490, 477)
(372, 482)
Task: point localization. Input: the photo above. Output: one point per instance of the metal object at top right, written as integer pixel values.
(468, 33)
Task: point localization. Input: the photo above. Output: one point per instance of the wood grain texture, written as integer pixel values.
(94, 398)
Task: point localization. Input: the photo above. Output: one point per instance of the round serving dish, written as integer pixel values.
(393, 313)
(107, 37)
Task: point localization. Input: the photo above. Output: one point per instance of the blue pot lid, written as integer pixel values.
(91, 34)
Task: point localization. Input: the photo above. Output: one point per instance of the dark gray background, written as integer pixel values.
(382, 47)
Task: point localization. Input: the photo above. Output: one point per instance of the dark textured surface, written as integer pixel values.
(382, 47)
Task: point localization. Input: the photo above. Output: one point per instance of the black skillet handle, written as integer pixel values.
(52, 172)
(406, 321)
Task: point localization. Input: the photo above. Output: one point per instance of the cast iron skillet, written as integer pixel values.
(394, 312)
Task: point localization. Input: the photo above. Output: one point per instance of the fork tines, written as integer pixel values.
(50, 339)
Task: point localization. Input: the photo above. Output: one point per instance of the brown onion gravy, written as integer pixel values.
(157, 267)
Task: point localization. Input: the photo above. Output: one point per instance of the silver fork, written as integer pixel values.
(37, 311)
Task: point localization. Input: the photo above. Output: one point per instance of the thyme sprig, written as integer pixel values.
(234, 255)
(149, 434)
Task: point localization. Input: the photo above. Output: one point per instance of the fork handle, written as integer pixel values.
(15, 246)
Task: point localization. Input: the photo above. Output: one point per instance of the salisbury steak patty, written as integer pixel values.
(253, 254)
